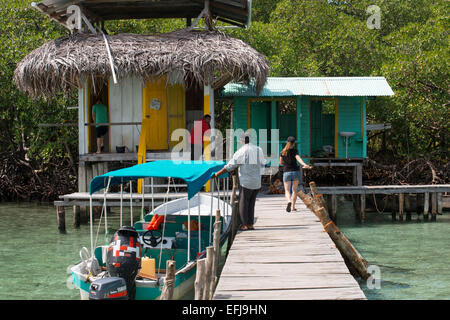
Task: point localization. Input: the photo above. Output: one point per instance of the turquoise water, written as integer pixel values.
(413, 257)
(35, 256)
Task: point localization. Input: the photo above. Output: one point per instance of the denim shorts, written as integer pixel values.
(291, 176)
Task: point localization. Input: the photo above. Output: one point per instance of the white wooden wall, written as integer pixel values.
(82, 129)
(125, 105)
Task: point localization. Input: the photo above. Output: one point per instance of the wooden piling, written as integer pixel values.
(61, 219)
(216, 259)
(401, 202)
(334, 207)
(440, 203)
(209, 275)
(363, 207)
(169, 281)
(357, 206)
(85, 213)
(199, 283)
(234, 211)
(393, 211)
(433, 206)
(408, 206)
(347, 250)
(419, 206)
(234, 224)
(76, 217)
(426, 205)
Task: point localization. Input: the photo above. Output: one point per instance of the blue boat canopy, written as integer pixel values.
(195, 173)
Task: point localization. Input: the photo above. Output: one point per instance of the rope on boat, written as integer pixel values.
(101, 215)
(210, 213)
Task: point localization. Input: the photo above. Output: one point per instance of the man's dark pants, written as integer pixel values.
(195, 149)
(247, 199)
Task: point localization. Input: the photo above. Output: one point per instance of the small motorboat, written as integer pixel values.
(132, 265)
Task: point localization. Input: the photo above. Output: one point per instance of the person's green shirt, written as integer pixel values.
(101, 113)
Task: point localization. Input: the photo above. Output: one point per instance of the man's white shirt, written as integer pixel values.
(250, 161)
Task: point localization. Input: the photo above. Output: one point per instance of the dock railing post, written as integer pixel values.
(209, 275)
(234, 210)
(216, 257)
(200, 279)
(169, 281)
(351, 256)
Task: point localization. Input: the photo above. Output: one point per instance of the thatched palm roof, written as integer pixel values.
(65, 63)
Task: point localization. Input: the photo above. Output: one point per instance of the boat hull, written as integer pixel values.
(147, 290)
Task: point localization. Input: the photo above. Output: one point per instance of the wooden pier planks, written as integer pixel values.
(288, 257)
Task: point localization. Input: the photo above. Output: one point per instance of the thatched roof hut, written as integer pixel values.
(205, 57)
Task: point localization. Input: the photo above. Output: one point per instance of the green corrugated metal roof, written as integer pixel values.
(321, 86)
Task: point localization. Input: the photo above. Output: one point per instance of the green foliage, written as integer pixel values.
(23, 30)
(299, 38)
(417, 66)
(331, 38)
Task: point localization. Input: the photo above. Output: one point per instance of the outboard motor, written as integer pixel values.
(123, 257)
(110, 288)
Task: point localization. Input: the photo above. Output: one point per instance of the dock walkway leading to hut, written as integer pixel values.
(287, 256)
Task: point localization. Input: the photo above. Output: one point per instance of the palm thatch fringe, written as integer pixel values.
(205, 57)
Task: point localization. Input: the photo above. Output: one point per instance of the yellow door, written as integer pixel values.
(177, 112)
(154, 108)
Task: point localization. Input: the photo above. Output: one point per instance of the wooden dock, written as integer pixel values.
(287, 256)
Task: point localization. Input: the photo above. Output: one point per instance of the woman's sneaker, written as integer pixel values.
(288, 208)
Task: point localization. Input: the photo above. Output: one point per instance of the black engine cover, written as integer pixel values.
(123, 257)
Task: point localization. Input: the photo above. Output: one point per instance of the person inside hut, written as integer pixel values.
(250, 161)
(196, 136)
(293, 174)
(100, 115)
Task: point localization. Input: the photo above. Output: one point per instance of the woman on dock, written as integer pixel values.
(293, 174)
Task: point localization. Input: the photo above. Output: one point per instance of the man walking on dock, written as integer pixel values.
(250, 161)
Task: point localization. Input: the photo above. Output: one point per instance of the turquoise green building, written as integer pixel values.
(326, 115)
